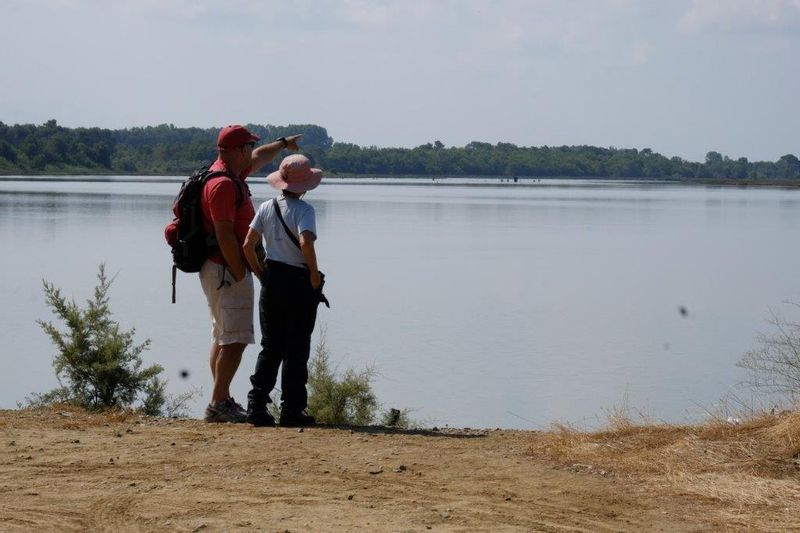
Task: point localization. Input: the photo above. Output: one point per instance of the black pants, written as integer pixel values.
(287, 313)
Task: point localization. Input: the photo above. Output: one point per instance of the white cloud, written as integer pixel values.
(373, 13)
(741, 15)
(641, 52)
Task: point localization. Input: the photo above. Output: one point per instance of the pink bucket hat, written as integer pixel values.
(295, 175)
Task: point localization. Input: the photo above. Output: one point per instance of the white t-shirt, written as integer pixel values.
(299, 217)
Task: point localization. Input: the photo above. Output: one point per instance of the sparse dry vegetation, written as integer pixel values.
(753, 463)
(774, 365)
(767, 445)
(745, 460)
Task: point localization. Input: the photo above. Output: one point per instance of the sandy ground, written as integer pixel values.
(67, 470)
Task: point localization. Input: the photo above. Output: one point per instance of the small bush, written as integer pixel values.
(345, 399)
(398, 419)
(177, 406)
(97, 364)
(155, 396)
(774, 366)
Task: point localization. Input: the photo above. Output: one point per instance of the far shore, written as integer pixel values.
(80, 175)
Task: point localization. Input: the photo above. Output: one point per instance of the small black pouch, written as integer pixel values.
(321, 299)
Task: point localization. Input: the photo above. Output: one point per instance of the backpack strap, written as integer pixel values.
(210, 174)
(211, 238)
(174, 273)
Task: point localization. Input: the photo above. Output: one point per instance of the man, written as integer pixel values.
(226, 281)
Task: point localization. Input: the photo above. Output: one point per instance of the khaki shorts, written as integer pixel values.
(231, 306)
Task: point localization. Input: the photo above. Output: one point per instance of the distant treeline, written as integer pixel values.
(167, 150)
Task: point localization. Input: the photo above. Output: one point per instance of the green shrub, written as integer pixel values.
(97, 364)
(345, 399)
(155, 396)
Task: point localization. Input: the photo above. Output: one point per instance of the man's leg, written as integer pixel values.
(213, 360)
(230, 305)
(230, 355)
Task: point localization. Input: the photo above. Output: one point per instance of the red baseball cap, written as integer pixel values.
(234, 136)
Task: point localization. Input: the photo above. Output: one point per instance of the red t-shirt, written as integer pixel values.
(219, 203)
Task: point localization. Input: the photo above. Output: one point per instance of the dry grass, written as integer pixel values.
(74, 417)
(752, 466)
(767, 445)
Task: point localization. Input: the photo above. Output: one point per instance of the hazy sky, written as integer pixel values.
(679, 76)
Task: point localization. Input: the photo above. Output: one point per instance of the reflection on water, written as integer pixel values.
(480, 305)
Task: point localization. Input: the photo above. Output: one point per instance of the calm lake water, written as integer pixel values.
(479, 305)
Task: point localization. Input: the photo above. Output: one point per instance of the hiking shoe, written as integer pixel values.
(258, 416)
(236, 405)
(296, 420)
(222, 412)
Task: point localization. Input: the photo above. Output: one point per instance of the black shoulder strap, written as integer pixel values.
(321, 297)
(277, 209)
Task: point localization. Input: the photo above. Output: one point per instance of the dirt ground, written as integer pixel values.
(68, 470)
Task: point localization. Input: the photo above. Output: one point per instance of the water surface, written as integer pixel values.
(480, 305)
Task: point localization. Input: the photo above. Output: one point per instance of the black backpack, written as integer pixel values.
(190, 244)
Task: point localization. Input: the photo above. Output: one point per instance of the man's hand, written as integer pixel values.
(315, 279)
(237, 276)
(266, 152)
(291, 142)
